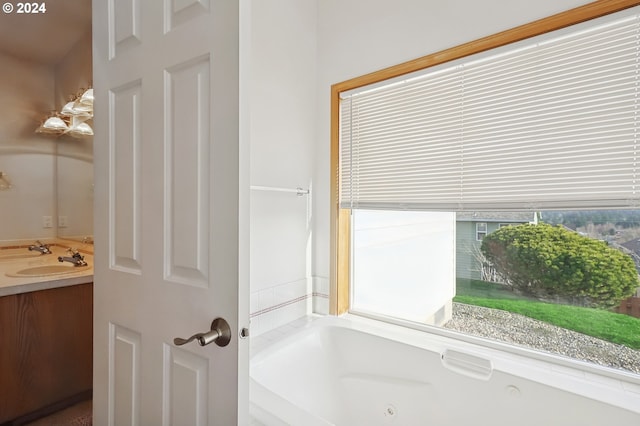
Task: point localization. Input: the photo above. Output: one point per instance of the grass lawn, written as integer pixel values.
(610, 326)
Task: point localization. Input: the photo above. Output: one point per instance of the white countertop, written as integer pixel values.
(17, 285)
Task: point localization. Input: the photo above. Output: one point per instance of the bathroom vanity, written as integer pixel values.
(45, 332)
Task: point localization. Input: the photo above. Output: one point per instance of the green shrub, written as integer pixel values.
(547, 261)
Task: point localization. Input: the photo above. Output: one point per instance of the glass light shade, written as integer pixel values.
(84, 110)
(86, 98)
(68, 109)
(53, 125)
(80, 130)
(76, 109)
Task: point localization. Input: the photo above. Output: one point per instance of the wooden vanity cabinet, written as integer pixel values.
(46, 348)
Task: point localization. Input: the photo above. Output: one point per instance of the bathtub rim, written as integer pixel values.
(580, 378)
(524, 352)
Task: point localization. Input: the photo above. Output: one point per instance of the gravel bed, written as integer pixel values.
(521, 330)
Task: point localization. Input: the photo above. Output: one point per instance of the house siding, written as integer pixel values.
(468, 247)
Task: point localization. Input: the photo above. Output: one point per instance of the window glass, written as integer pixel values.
(563, 282)
(546, 125)
(481, 230)
(403, 263)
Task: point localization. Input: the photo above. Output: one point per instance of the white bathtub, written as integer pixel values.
(353, 371)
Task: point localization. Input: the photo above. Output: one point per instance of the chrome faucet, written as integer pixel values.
(42, 248)
(76, 258)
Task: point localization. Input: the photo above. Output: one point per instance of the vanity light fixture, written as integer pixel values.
(72, 118)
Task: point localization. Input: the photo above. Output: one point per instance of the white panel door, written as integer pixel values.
(168, 226)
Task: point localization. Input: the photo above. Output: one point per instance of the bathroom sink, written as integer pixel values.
(46, 270)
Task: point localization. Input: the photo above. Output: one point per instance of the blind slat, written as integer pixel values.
(552, 123)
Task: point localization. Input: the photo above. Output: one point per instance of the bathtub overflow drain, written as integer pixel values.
(390, 412)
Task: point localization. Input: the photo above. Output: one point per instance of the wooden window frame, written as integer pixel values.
(340, 232)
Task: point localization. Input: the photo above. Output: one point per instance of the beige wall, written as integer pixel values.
(74, 71)
(26, 95)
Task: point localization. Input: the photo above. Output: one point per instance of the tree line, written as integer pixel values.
(580, 218)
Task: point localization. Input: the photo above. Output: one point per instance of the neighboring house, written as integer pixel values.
(471, 228)
(631, 305)
(632, 248)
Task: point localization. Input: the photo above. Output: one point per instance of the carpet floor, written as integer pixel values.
(76, 415)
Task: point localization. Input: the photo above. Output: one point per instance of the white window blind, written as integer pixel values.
(551, 122)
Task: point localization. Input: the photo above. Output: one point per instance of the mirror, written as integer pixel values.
(46, 58)
(74, 156)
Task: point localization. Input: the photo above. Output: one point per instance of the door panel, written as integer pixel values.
(187, 160)
(124, 25)
(168, 170)
(124, 376)
(187, 373)
(125, 215)
(179, 12)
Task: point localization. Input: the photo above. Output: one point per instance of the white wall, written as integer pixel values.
(356, 37)
(282, 134)
(26, 96)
